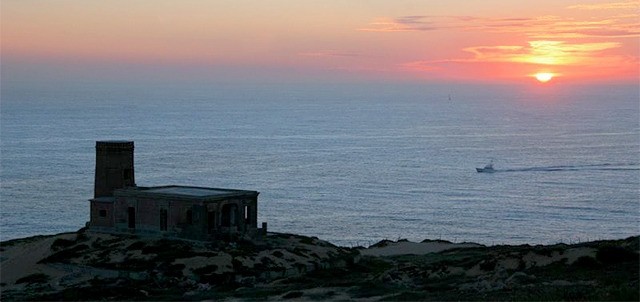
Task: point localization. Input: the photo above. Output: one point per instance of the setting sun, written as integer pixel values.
(544, 76)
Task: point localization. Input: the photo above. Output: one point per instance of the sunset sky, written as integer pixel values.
(291, 40)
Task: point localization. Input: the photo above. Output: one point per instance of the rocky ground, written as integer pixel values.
(91, 266)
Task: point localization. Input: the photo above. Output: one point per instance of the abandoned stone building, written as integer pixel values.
(200, 213)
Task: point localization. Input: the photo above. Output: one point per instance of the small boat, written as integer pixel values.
(487, 169)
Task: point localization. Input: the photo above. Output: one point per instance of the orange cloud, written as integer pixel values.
(578, 60)
(557, 27)
(536, 52)
(634, 4)
(543, 52)
(583, 46)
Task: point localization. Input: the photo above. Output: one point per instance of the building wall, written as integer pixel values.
(185, 220)
(98, 220)
(148, 216)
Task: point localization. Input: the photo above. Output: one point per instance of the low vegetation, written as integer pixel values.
(37, 278)
(292, 267)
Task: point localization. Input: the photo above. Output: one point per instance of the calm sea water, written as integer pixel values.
(352, 165)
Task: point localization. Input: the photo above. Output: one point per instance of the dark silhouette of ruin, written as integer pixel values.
(201, 213)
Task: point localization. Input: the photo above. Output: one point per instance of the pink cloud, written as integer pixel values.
(536, 27)
(327, 54)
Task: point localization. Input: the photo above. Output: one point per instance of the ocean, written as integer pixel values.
(351, 164)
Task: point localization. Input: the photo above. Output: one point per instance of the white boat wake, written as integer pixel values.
(601, 167)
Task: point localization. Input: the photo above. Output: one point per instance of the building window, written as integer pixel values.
(246, 213)
(189, 217)
(102, 213)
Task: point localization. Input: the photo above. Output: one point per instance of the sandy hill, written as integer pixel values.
(93, 266)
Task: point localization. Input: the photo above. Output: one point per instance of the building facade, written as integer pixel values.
(199, 213)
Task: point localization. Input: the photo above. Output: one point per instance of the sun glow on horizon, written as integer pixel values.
(295, 41)
(544, 77)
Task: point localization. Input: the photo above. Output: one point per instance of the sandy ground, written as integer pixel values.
(414, 248)
(21, 260)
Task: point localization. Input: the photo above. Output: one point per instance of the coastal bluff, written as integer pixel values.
(86, 265)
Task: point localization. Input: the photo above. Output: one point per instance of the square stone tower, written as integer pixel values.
(114, 167)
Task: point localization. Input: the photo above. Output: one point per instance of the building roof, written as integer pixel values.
(184, 192)
(103, 199)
